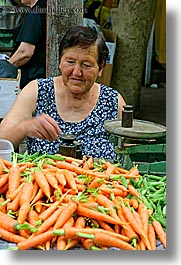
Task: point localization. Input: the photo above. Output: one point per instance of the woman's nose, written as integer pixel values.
(77, 70)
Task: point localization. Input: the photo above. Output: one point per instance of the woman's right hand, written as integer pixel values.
(43, 127)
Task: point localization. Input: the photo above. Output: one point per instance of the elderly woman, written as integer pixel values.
(72, 103)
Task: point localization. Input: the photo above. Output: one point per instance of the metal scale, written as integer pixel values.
(138, 142)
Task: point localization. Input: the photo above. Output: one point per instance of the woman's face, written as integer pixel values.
(79, 68)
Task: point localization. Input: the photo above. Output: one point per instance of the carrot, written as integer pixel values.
(27, 191)
(3, 205)
(8, 223)
(71, 167)
(3, 179)
(88, 243)
(37, 197)
(85, 166)
(109, 241)
(14, 204)
(100, 238)
(106, 165)
(84, 211)
(9, 236)
(4, 188)
(22, 168)
(35, 190)
(61, 178)
(33, 217)
(11, 225)
(36, 240)
(117, 229)
(115, 184)
(95, 183)
(1, 166)
(115, 191)
(105, 226)
(137, 218)
(133, 172)
(122, 170)
(42, 182)
(107, 203)
(7, 163)
(14, 176)
(88, 164)
(15, 193)
(90, 204)
(134, 203)
(152, 237)
(67, 212)
(72, 159)
(49, 211)
(62, 241)
(52, 180)
(133, 191)
(70, 179)
(24, 200)
(141, 244)
(159, 232)
(127, 229)
(27, 164)
(130, 218)
(142, 210)
(79, 223)
(110, 169)
(23, 212)
(50, 221)
(38, 205)
(72, 233)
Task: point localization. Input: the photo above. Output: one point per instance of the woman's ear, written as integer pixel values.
(100, 72)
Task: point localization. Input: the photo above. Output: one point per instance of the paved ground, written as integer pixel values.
(153, 104)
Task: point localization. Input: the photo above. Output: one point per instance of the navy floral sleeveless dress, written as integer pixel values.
(90, 131)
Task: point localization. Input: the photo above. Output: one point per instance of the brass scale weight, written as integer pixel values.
(138, 142)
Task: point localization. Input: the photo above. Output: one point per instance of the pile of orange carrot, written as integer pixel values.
(70, 203)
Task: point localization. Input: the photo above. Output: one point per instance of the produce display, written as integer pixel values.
(59, 202)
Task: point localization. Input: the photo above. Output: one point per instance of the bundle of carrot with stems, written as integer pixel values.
(69, 190)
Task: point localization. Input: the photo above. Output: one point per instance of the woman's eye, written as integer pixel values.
(86, 65)
(70, 62)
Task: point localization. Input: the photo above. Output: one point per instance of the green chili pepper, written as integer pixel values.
(133, 182)
(157, 192)
(145, 183)
(139, 183)
(55, 157)
(146, 202)
(159, 208)
(152, 189)
(124, 181)
(164, 211)
(153, 177)
(160, 219)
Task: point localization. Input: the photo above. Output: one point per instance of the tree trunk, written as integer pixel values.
(132, 22)
(61, 15)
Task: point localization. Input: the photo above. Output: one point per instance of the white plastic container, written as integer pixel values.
(6, 149)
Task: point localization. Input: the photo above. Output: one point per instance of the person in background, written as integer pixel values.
(29, 53)
(72, 103)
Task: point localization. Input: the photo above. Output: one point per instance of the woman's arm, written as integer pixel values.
(19, 121)
(121, 103)
(23, 54)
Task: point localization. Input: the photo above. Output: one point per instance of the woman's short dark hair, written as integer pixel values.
(85, 37)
